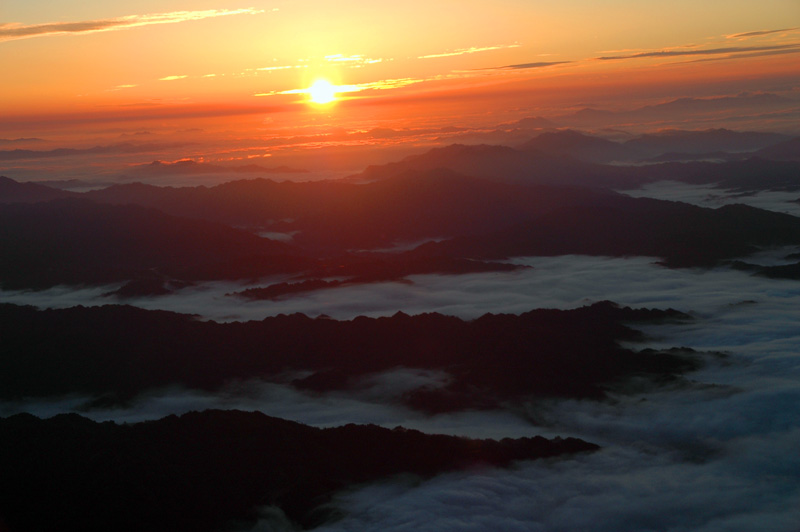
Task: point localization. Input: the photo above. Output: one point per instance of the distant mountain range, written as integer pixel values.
(788, 150)
(12, 191)
(646, 147)
(682, 235)
(571, 158)
(481, 202)
(125, 147)
(76, 241)
(501, 163)
(681, 108)
(192, 167)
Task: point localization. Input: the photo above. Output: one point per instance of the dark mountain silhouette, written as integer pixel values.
(192, 167)
(531, 122)
(682, 235)
(125, 147)
(788, 150)
(428, 204)
(715, 157)
(367, 266)
(118, 352)
(336, 216)
(785, 271)
(680, 109)
(150, 283)
(742, 100)
(505, 164)
(578, 145)
(94, 243)
(259, 203)
(372, 268)
(696, 142)
(678, 144)
(82, 242)
(281, 290)
(750, 175)
(75, 184)
(14, 192)
(782, 271)
(214, 470)
(506, 134)
(72, 242)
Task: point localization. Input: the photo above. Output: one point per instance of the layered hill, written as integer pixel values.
(214, 470)
(682, 235)
(82, 242)
(118, 352)
(130, 232)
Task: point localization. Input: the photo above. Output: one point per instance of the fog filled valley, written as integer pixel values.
(557, 331)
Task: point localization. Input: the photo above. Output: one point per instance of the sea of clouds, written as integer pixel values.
(715, 452)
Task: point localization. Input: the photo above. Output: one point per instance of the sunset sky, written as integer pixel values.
(489, 219)
(228, 65)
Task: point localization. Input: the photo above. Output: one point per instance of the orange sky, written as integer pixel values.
(97, 57)
(77, 71)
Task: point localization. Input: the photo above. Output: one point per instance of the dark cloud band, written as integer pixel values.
(522, 66)
(710, 51)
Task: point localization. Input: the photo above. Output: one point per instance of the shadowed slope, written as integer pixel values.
(14, 192)
(77, 241)
(121, 351)
(683, 235)
(207, 471)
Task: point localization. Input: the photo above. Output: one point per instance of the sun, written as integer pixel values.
(322, 92)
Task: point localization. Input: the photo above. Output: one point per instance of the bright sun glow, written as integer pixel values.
(322, 91)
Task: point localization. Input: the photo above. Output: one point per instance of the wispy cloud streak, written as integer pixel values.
(757, 33)
(472, 50)
(358, 58)
(9, 32)
(709, 51)
(522, 66)
(793, 50)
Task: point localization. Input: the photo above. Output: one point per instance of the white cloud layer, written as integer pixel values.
(713, 197)
(717, 454)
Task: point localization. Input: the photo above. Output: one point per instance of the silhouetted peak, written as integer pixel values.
(568, 133)
(605, 305)
(567, 137)
(531, 122)
(461, 149)
(133, 186)
(12, 191)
